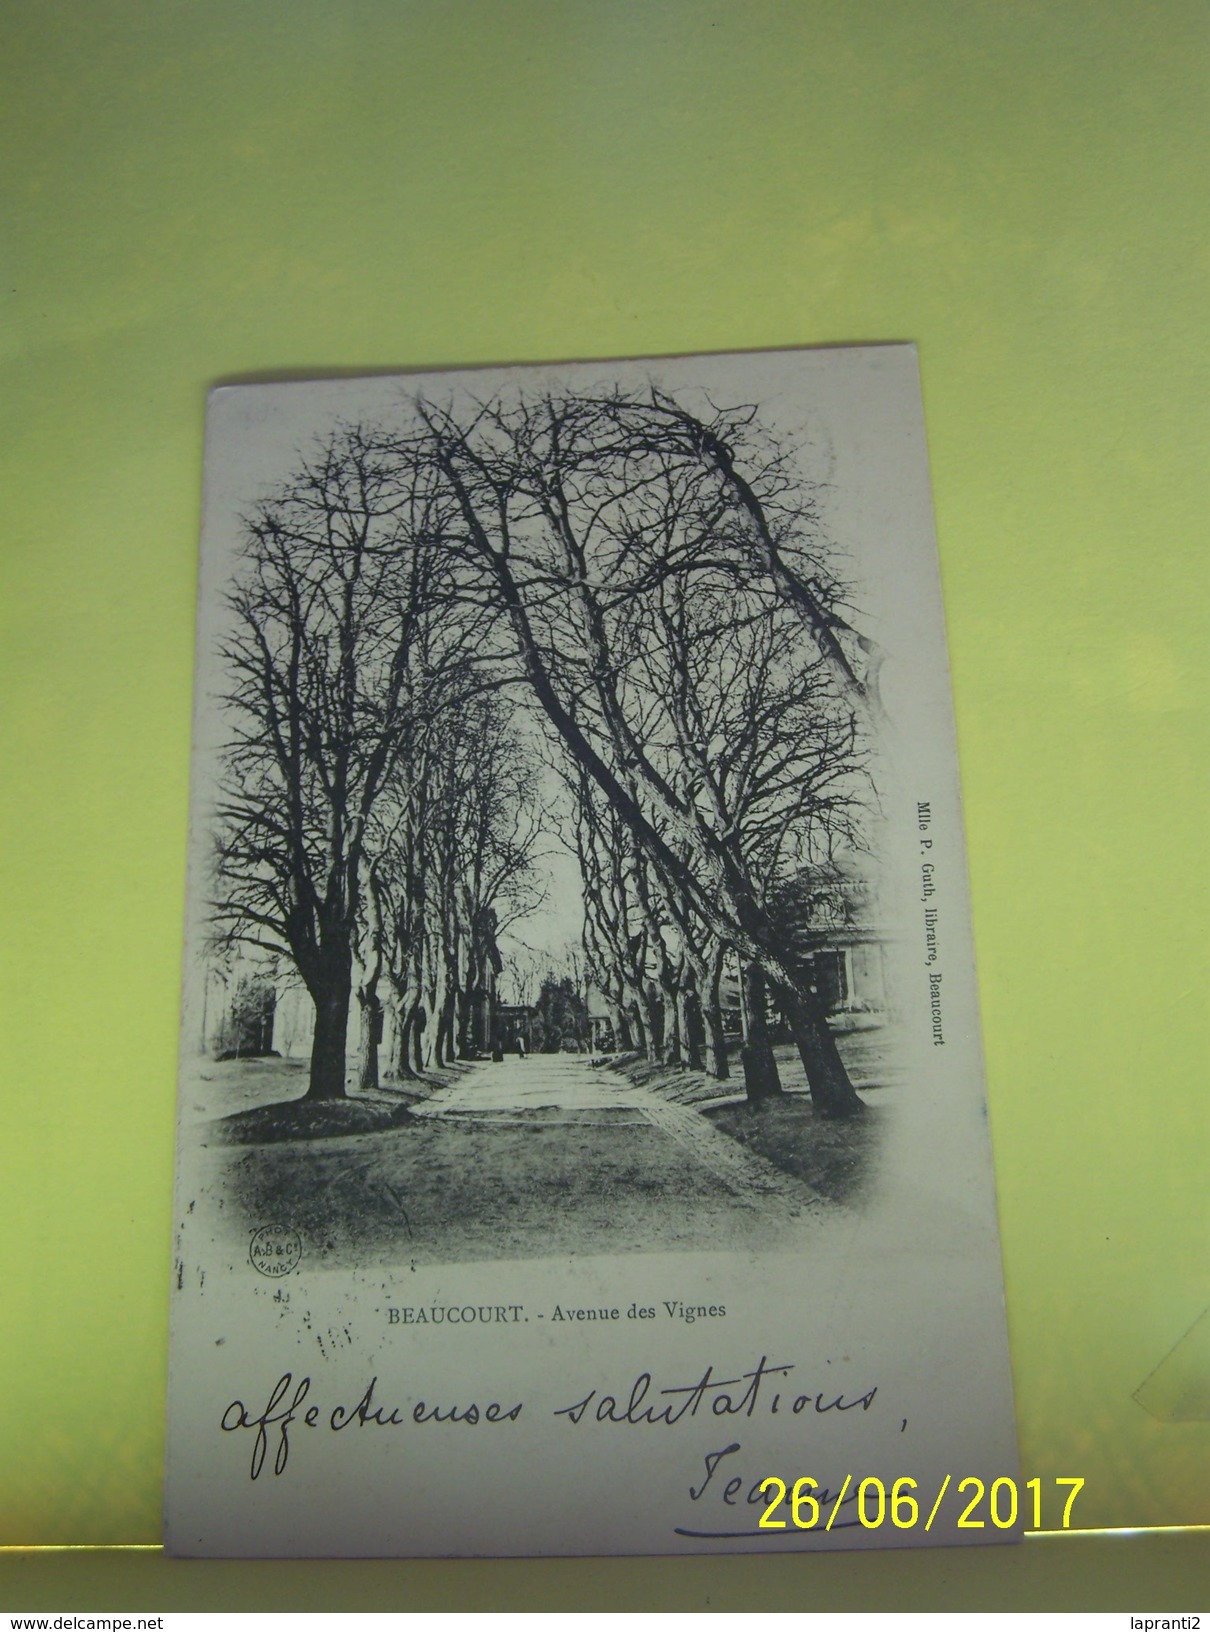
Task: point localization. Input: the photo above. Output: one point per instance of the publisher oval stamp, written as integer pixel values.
(275, 1250)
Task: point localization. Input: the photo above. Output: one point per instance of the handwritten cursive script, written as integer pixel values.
(715, 1394)
(285, 1409)
(765, 1391)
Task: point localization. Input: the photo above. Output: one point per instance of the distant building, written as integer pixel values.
(830, 918)
(513, 1023)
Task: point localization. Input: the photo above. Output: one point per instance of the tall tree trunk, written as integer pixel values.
(463, 1010)
(371, 1035)
(468, 1000)
(328, 1064)
(464, 1023)
(653, 1016)
(420, 1012)
(405, 1037)
(761, 1078)
(674, 1039)
(716, 1042)
(447, 1039)
(689, 1021)
(420, 1035)
(638, 1020)
(832, 1094)
(624, 1038)
(432, 1040)
(397, 1053)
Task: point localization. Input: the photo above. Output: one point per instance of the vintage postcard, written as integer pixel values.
(582, 1143)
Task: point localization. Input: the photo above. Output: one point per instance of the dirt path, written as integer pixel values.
(549, 1084)
(527, 1158)
(565, 1082)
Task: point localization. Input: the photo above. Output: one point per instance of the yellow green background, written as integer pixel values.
(247, 187)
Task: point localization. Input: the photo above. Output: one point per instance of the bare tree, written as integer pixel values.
(579, 514)
(336, 587)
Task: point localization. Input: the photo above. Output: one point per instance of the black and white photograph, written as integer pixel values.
(579, 1003)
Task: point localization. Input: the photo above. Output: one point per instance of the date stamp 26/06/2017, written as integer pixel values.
(872, 1503)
